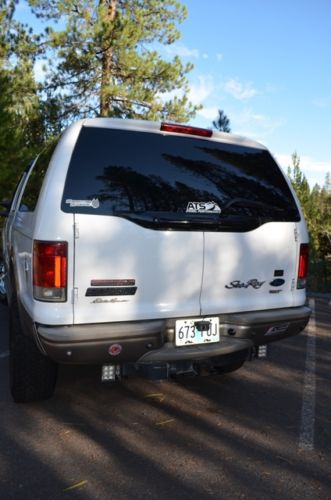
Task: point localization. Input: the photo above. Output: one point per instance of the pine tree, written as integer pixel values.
(299, 181)
(302, 189)
(105, 62)
(325, 208)
(21, 131)
(222, 123)
(316, 206)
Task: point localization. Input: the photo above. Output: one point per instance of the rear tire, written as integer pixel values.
(32, 375)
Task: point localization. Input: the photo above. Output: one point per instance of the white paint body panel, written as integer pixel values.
(178, 274)
(53, 313)
(166, 266)
(47, 223)
(254, 255)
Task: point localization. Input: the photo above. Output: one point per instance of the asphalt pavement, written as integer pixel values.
(262, 432)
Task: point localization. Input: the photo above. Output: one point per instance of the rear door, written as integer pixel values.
(253, 264)
(249, 271)
(129, 263)
(126, 272)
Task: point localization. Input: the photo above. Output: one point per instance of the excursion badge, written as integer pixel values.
(202, 207)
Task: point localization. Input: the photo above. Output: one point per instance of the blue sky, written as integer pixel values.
(267, 64)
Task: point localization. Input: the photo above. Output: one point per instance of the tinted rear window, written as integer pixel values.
(118, 172)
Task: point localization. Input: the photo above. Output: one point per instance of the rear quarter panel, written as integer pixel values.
(47, 223)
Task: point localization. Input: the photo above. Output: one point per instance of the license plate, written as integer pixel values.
(195, 331)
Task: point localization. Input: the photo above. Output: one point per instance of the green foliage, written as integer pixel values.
(21, 129)
(104, 62)
(222, 122)
(316, 205)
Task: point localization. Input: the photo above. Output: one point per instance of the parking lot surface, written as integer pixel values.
(262, 432)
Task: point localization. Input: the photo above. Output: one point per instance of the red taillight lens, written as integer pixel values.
(186, 129)
(50, 270)
(303, 265)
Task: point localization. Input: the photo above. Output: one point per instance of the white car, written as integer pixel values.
(150, 248)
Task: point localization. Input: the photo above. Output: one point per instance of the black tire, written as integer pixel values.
(32, 375)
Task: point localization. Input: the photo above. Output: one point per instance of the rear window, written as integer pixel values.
(155, 177)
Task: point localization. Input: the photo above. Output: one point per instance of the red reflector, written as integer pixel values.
(186, 129)
(50, 264)
(115, 349)
(303, 261)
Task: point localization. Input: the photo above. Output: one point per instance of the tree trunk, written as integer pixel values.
(110, 6)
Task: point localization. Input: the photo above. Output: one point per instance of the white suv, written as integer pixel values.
(150, 248)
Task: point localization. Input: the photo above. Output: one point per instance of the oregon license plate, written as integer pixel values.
(197, 331)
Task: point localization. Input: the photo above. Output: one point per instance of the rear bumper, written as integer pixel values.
(153, 341)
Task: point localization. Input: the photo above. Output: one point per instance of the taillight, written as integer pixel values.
(186, 129)
(303, 265)
(50, 270)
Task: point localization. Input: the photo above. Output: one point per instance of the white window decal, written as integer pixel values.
(203, 207)
(84, 203)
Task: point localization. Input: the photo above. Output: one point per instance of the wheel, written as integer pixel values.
(32, 375)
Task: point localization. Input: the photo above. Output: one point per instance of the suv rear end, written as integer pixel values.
(155, 248)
